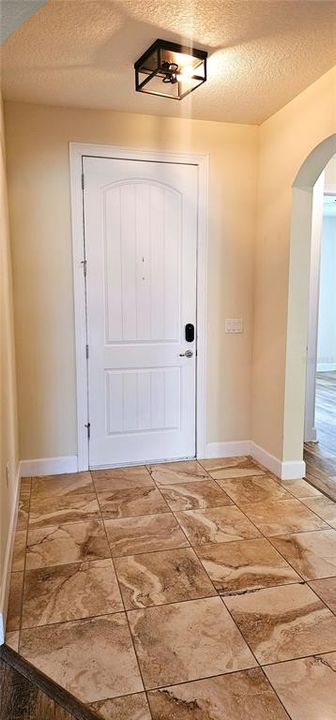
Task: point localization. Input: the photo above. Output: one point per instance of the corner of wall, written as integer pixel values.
(9, 467)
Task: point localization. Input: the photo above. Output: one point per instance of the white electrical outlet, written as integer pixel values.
(234, 326)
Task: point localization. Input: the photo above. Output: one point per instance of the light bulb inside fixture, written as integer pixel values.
(185, 72)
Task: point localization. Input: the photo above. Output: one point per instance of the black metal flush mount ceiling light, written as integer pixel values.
(170, 70)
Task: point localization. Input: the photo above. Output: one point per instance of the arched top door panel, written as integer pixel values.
(142, 261)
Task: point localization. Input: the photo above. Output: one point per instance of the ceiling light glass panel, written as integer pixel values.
(170, 70)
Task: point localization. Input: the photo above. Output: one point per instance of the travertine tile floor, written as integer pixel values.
(191, 590)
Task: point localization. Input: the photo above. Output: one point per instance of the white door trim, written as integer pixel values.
(77, 151)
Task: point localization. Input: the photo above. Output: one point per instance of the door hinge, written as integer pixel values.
(87, 351)
(84, 265)
(88, 427)
(82, 181)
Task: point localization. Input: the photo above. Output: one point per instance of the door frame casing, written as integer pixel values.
(76, 153)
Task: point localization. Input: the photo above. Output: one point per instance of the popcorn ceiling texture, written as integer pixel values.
(81, 53)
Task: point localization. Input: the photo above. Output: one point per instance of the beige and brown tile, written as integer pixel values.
(254, 489)
(238, 567)
(237, 696)
(12, 640)
(216, 525)
(178, 472)
(68, 484)
(224, 468)
(121, 478)
(131, 536)
(132, 502)
(70, 592)
(63, 508)
(326, 590)
(312, 554)
(62, 544)
(232, 473)
(301, 489)
(23, 511)
(282, 517)
(194, 659)
(243, 461)
(306, 687)
(322, 506)
(93, 659)
(162, 577)
(19, 550)
(194, 495)
(283, 623)
(187, 641)
(25, 487)
(14, 602)
(129, 707)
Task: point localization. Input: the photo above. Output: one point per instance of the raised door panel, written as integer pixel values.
(142, 263)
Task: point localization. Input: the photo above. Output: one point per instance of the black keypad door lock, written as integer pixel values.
(189, 332)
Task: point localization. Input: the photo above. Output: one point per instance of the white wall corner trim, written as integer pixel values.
(5, 578)
(289, 470)
(49, 466)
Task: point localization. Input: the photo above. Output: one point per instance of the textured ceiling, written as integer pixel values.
(81, 53)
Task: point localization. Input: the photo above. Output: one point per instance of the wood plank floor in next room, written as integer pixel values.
(191, 590)
(320, 457)
(27, 694)
(20, 699)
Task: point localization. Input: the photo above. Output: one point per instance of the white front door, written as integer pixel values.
(140, 242)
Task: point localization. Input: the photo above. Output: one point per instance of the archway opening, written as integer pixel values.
(299, 298)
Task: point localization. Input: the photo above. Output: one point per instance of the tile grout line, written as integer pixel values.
(217, 595)
(304, 582)
(173, 602)
(277, 695)
(227, 674)
(125, 612)
(298, 532)
(173, 512)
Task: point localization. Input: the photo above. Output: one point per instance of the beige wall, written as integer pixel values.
(239, 406)
(286, 139)
(38, 174)
(8, 438)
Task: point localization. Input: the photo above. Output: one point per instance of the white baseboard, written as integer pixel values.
(48, 466)
(293, 470)
(6, 570)
(236, 448)
(285, 470)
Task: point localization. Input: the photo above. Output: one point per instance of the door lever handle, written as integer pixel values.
(187, 353)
